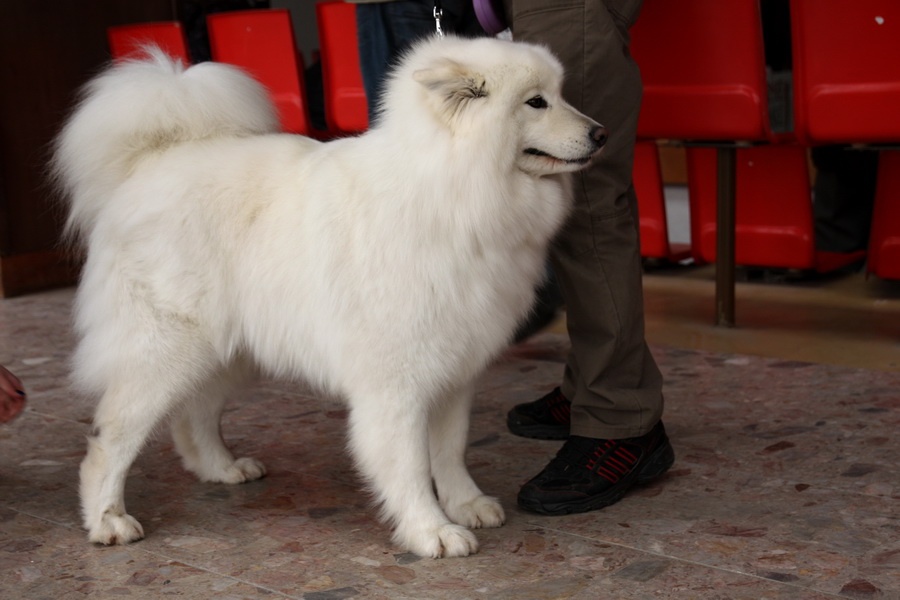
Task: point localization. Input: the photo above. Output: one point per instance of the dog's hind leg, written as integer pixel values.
(124, 420)
(198, 438)
(460, 497)
(146, 367)
(389, 439)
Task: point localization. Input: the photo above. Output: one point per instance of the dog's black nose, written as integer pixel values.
(599, 135)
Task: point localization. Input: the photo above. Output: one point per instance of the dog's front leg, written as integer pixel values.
(389, 439)
(460, 497)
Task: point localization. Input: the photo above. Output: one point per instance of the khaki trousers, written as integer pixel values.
(611, 378)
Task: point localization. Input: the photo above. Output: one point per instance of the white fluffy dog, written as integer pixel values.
(387, 269)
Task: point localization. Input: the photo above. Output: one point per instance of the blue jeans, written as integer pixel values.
(386, 29)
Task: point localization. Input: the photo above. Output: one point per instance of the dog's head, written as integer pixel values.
(506, 96)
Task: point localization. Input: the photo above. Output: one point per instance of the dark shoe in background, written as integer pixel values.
(546, 418)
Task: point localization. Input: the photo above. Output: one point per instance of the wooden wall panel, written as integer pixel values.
(48, 49)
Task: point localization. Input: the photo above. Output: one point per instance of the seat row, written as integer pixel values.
(704, 70)
(262, 42)
(705, 86)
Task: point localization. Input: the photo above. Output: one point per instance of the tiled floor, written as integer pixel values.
(786, 484)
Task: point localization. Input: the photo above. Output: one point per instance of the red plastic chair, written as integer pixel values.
(884, 239)
(703, 68)
(262, 43)
(772, 229)
(774, 221)
(648, 185)
(846, 61)
(346, 108)
(846, 56)
(128, 41)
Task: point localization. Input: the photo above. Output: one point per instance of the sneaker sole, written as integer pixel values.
(657, 464)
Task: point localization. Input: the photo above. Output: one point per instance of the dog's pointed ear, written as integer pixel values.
(451, 78)
(453, 83)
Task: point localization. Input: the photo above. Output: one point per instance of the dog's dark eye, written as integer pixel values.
(537, 102)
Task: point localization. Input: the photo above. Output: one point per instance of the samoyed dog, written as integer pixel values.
(387, 269)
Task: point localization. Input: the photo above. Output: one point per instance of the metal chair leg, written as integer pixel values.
(725, 234)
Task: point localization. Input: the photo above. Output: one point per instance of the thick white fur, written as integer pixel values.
(387, 269)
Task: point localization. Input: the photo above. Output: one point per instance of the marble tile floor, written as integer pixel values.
(786, 486)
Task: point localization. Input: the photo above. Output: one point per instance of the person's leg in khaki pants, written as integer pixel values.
(611, 384)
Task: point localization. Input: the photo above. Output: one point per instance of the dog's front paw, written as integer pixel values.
(116, 529)
(445, 541)
(481, 511)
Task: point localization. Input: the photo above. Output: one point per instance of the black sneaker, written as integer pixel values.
(546, 418)
(588, 473)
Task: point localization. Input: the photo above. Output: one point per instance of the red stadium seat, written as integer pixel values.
(846, 61)
(703, 67)
(773, 218)
(262, 43)
(648, 186)
(884, 239)
(128, 41)
(846, 56)
(346, 108)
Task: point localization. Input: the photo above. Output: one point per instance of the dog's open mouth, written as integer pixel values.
(575, 161)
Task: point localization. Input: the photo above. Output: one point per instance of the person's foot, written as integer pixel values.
(588, 474)
(546, 418)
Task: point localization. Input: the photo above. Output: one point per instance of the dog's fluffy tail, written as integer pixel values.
(143, 106)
